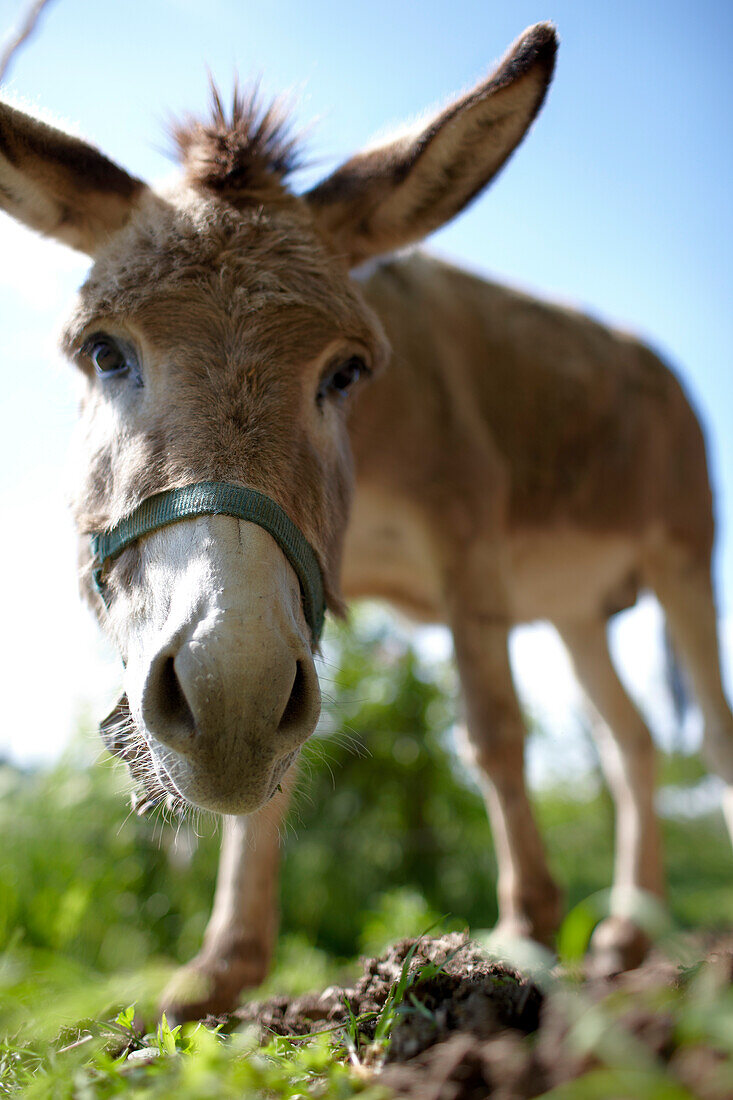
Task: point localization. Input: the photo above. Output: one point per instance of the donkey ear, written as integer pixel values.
(59, 185)
(388, 197)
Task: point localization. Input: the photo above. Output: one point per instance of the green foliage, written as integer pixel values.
(80, 876)
(188, 1063)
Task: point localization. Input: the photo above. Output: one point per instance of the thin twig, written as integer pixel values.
(79, 1043)
(17, 38)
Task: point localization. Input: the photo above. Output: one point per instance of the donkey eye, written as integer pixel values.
(107, 357)
(340, 380)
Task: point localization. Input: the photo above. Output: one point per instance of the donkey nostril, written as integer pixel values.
(298, 705)
(166, 711)
(175, 700)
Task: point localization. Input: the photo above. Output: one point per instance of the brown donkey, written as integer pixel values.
(516, 461)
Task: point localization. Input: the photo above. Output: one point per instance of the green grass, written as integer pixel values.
(193, 1062)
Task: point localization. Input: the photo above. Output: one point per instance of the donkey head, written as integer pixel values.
(220, 338)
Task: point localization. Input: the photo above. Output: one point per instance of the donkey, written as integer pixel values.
(516, 461)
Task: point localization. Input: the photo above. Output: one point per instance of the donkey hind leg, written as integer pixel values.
(529, 901)
(628, 760)
(684, 588)
(240, 936)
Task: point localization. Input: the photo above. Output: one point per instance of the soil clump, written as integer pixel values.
(470, 1027)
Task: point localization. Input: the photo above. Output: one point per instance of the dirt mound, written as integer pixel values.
(467, 1027)
(468, 993)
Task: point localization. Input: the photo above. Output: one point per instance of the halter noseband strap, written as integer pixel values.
(213, 498)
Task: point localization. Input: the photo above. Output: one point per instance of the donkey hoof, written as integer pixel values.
(515, 939)
(538, 920)
(210, 986)
(616, 945)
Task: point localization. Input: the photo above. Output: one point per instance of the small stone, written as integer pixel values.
(144, 1055)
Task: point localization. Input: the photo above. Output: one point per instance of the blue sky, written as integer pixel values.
(619, 201)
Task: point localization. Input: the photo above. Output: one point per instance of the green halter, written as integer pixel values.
(218, 498)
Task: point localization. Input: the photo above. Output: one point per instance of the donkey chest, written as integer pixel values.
(387, 555)
(551, 574)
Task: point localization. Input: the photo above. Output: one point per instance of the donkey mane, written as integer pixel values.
(245, 154)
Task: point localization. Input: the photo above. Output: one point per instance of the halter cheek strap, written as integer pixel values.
(214, 498)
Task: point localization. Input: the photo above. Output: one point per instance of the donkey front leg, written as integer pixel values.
(241, 933)
(529, 900)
